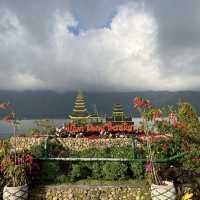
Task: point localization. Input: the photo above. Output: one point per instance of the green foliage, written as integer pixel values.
(61, 179)
(49, 171)
(137, 170)
(164, 127)
(54, 149)
(45, 126)
(110, 152)
(79, 172)
(38, 151)
(33, 131)
(187, 113)
(97, 170)
(91, 181)
(2, 184)
(14, 174)
(114, 170)
(192, 161)
(4, 148)
(189, 117)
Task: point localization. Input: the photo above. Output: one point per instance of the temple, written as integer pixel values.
(79, 114)
(94, 116)
(118, 114)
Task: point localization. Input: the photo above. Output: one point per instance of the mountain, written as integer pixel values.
(49, 104)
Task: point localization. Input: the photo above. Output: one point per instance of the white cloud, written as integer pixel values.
(119, 57)
(123, 56)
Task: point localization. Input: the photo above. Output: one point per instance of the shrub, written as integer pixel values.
(62, 179)
(79, 172)
(137, 170)
(112, 152)
(187, 114)
(2, 184)
(114, 170)
(192, 160)
(38, 150)
(45, 126)
(54, 149)
(49, 170)
(97, 170)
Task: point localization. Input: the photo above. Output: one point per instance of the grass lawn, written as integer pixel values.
(99, 182)
(136, 182)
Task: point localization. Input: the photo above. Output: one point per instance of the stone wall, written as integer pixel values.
(77, 144)
(70, 192)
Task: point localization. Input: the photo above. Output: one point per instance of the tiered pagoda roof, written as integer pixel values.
(118, 113)
(79, 110)
(95, 113)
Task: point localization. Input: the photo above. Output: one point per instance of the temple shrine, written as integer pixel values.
(118, 113)
(79, 114)
(94, 117)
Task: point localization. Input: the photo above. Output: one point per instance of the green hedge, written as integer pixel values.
(74, 171)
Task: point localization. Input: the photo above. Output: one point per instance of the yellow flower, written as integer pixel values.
(187, 196)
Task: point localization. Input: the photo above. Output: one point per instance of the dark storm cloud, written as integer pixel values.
(179, 22)
(178, 38)
(37, 15)
(100, 45)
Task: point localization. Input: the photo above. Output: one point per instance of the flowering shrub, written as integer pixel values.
(4, 148)
(17, 170)
(189, 118)
(14, 167)
(149, 115)
(183, 128)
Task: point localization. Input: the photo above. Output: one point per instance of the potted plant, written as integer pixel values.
(160, 190)
(4, 148)
(14, 167)
(15, 171)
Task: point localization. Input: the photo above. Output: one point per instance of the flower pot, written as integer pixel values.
(163, 192)
(15, 193)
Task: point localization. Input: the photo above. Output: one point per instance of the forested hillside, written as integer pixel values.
(49, 104)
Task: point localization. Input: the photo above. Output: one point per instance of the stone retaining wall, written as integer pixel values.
(77, 144)
(69, 192)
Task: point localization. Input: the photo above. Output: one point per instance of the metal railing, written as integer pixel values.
(86, 159)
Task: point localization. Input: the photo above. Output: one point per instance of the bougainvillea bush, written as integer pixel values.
(15, 167)
(182, 129)
(4, 148)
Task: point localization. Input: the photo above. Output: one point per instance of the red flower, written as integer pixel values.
(4, 106)
(141, 103)
(1, 168)
(147, 104)
(29, 159)
(9, 118)
(181, 125)
(173, 118)
(166, 147)
(149, 167)
(138, 102)
(19, 161)
(157, 114)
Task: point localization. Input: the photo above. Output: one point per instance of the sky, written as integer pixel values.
(106, 45)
